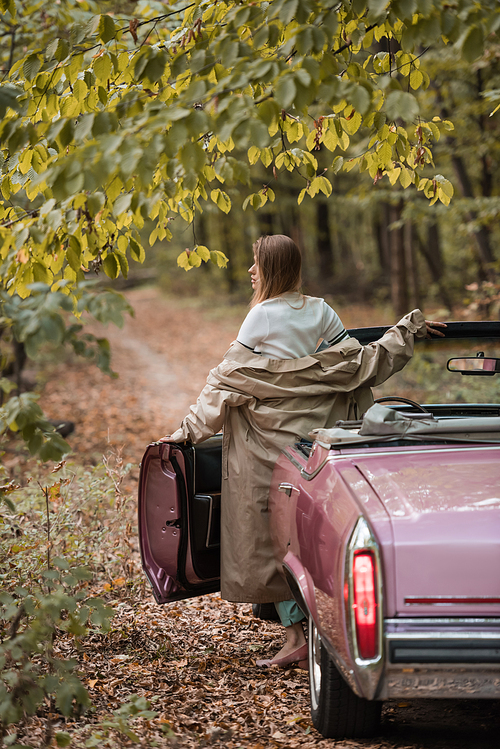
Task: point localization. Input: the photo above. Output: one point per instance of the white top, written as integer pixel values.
(290, 326)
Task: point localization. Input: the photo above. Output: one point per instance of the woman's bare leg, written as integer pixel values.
(294, 639)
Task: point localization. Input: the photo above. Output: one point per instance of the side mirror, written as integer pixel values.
(474, 365)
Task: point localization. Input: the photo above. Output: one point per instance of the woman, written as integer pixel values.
(270, 389)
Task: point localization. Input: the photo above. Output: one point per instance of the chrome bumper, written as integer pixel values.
(441, 658)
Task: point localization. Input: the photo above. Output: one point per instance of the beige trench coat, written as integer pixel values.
(262, 405)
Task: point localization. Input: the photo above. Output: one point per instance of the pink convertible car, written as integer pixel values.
(389, 532)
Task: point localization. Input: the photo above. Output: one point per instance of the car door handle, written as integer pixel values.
(287, 489)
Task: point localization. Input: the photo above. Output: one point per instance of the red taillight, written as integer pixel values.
(365, 604)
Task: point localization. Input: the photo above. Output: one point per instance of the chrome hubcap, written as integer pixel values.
(314, 664)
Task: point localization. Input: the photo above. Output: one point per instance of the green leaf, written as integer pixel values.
(110, 266)
(137, 251)
(219, 259)
(472, 44)
(102, 67)
(285, 91)
(106, 29)
(63, 739)
(155, 67)
(401, 105)
(62, 50)
(31, 66)
(122, 204)
(360, 99)
(192, 157)
(8, 98)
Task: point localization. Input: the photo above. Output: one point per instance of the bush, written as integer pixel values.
(59, 537)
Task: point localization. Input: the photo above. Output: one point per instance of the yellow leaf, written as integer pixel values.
(218, 258)
(416, 78)
(325, 186)
(80, 89)
(253, 154)
(384, 153)
(405, 178)
(102, 68)
(266, 156)
(183, 261)
(25, 160)
(330, 140)
(203, 252)
(311, 140)
(393, 175)
(352, 124)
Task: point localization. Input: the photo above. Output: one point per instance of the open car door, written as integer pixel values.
(179, 518)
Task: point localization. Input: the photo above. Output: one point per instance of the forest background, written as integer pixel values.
(141, 140)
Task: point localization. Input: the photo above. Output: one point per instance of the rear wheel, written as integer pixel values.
(337, 713)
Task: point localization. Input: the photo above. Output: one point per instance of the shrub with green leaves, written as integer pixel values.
(59, 538)
(87, 522)
(30, 671)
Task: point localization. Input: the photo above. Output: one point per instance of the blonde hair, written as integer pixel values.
(279, 262)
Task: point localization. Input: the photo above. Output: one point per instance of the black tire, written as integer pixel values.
(265, 611)
(337, 713)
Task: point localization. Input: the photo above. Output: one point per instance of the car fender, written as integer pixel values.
(303, 589)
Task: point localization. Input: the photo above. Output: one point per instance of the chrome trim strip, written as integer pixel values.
(473, 636)
(292, 459)
(451, 600)
(345, 454)
(309, 476)
(368, 671)
(494, 621)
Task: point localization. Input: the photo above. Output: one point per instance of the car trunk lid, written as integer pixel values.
(444, 507)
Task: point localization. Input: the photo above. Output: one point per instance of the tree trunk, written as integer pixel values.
(399, 291)
(431, 251)
(411, 266)
(482, 238)
(231, 266)
(482, 235)
(266, 222)
(382, 222)
(324, 247)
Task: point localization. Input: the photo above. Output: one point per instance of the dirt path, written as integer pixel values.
(163, 355)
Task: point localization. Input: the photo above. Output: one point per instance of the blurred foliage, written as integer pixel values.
(43, 318)
(52, 317)
(427, 380)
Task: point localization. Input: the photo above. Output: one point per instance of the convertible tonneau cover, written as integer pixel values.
(382, 421)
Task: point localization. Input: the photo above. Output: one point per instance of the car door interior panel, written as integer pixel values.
(179, 482)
